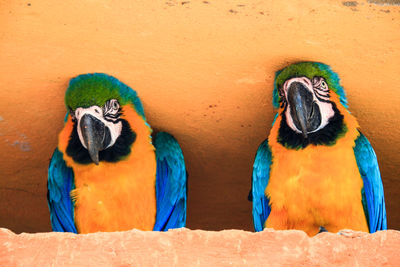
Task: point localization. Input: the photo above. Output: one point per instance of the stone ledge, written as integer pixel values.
(184, 247)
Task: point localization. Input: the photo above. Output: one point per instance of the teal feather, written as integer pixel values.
(260, 179)
(373, 198)
(60, 183)
(171, 183)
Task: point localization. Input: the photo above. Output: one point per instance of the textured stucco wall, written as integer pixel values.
(204, 71)
(183, 247)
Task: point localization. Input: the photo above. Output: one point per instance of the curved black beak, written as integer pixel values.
(305, 112)
(95, 135)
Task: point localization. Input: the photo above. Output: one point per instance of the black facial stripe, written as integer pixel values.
(112, 116)
(321, 95)
(113, 120)
(319, 88)
(109, 118)
(323, 100)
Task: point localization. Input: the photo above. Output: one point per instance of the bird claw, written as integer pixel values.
(322, 229)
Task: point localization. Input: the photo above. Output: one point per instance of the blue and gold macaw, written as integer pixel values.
(105, 174)
(316, 171)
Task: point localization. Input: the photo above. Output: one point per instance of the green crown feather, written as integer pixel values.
(96, 89)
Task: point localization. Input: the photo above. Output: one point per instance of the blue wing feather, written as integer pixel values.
(171, 180)
(260, 178)
(373, 198)
(59, 185)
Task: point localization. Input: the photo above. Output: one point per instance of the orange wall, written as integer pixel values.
(204, 71)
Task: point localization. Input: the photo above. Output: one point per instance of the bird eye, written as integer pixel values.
(111, 108)
(324, 85)
(115, 105)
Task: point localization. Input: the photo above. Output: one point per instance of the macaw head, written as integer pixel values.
(96, 103)
(308, 95)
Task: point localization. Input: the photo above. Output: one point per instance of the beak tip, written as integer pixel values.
(96, 160)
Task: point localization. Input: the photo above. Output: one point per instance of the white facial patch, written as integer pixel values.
(327, 113)
(97, 112)
(317, 87)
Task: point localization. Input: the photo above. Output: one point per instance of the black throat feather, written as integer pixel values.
(326, 136)
(120, 149)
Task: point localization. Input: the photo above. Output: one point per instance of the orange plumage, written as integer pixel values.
(304, 195)
(115, 197)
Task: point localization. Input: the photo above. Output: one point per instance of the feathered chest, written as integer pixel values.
(313, 175)
(318, 176)
(116, 196)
